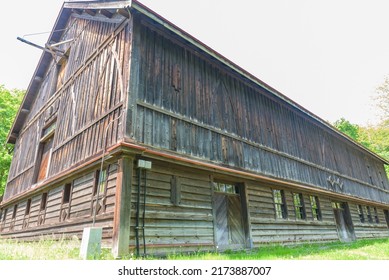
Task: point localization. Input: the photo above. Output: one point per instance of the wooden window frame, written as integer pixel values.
(13, 217)
(386, 214)
(48, 133)
(361, 214)
(299, 207)
(102, 185)
(375, 213)
(226, 188)
(26, 219)
(66, 202)
(60, 74)
(315, 207)
(5, 214)
(279, 201)
(42, 209)
(4, 219)
(368, 214)
(66, 193)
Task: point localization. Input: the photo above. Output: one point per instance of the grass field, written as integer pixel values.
(376, 249)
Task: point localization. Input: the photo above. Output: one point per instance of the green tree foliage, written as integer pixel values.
(352, 130)
(382, 101)
(375, 138)
(9, 104)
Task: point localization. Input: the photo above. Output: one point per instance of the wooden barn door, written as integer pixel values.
(343, 221)
(229, 218)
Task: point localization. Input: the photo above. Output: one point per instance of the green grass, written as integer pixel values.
(377, 249)
(46, 249)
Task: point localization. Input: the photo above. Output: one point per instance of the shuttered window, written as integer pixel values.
(45, 149)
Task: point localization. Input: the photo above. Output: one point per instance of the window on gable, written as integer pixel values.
(360, 213)
(315, 206)
(280, 204)
(45, 148)
(299, 208)
(59, 78)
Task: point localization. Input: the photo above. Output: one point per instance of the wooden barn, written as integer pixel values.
(133, 124)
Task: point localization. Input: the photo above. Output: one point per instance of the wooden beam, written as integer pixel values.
(122, 215)
(77, 11)
(123, 12)
(90, 12)
(106, 13)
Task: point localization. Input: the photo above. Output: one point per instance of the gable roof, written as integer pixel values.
(136, 6)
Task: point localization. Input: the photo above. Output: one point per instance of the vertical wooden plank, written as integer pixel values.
(122, 214)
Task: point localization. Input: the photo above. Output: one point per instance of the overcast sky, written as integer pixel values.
(328, 56)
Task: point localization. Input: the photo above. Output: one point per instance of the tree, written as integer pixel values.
(382, 100)
(375, 138)
(351, 130)
(9, 103)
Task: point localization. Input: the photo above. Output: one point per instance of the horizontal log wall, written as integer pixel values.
(367, 229)
(90, 98)
(170, 228)
(30, 227)
(189, 104)
(266, 228)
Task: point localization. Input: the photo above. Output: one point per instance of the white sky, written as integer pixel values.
(328, 56)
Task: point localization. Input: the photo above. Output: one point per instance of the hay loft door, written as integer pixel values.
(229, 219)
(343, 221)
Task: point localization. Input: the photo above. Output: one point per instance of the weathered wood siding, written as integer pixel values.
(188, 103)
(266, 228)
(29, 226)
(366, 229)
(187, 226)
(91, 96)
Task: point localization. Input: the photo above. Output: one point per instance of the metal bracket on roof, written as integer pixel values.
(53, 48)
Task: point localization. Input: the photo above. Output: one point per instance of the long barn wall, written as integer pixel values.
(189, 224)
(193, 106)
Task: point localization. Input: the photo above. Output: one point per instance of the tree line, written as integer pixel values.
(375, 138)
